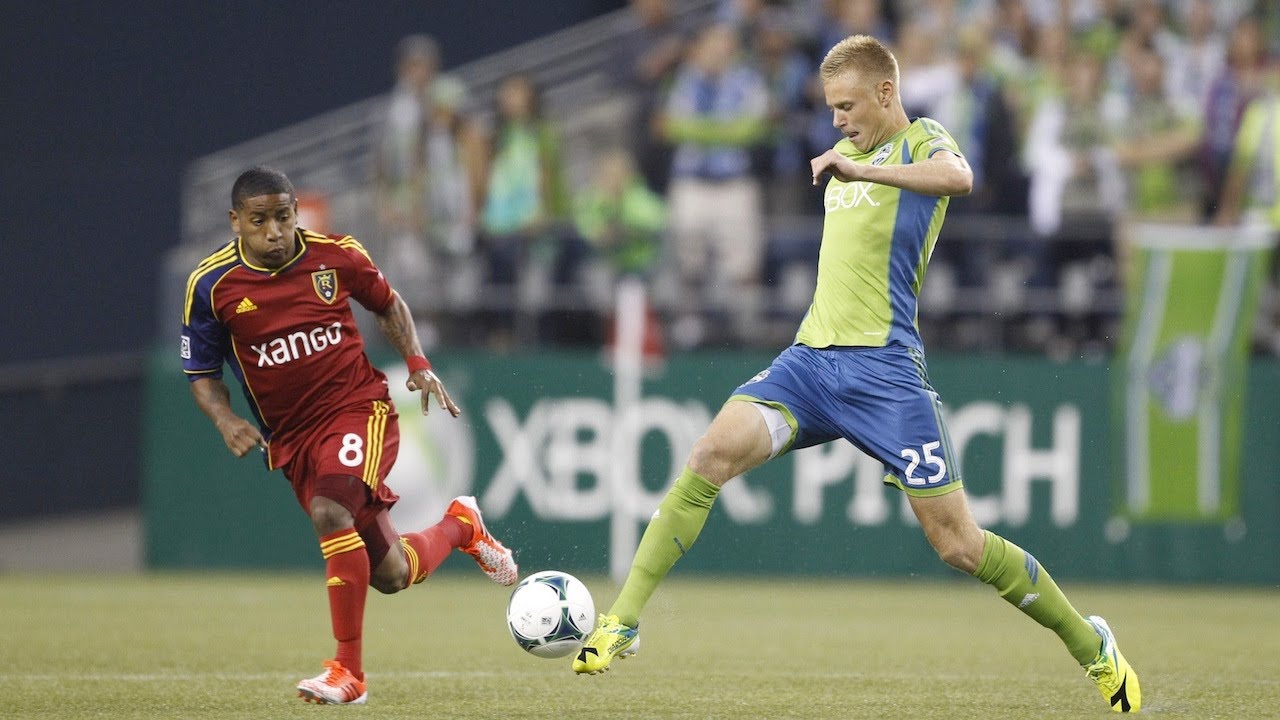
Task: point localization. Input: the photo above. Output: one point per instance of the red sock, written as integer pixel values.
(427, 549)
(346, 568)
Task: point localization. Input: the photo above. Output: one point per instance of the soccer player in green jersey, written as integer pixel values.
(857, 371)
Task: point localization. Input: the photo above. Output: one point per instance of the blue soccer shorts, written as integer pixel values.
(879, 399)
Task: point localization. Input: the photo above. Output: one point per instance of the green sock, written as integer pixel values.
(1023, 583)
(670, 534)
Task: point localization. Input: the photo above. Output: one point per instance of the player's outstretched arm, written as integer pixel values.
(396, 323)
(944, 173)
(214, 400)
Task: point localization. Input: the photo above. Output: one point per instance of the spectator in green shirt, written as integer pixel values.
(620, 217)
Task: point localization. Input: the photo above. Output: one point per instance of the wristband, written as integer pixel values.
(416, 363)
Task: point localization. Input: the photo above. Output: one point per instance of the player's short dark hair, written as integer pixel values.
(260, 180)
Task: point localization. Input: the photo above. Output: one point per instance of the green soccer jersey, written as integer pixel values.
(876, 242)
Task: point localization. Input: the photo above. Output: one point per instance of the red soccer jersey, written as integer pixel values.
(288, 334)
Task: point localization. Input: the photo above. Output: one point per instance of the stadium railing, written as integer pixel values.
(332, 151)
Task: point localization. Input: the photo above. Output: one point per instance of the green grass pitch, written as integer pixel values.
(228, 645)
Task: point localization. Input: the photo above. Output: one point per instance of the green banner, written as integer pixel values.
(558, 469)
(1193, 296)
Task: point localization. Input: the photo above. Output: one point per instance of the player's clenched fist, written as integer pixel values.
(832, 161)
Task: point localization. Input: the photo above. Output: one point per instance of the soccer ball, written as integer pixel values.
(550, 613)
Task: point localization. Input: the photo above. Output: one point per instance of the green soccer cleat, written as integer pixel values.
(610, 639)
(1113, 675)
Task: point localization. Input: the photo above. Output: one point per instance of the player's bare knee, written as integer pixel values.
(392, 573)
(955, 551)
(388, 585)
(328, 516)
(737, 440)
(711, 459)
(955, 557)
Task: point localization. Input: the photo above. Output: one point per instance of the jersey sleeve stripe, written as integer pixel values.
(217, 258)
(346, 242)
(351, 243)
(210, 264)
(211, 261)
(201, 372)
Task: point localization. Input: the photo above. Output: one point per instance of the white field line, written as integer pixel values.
(184, 677)
(428, 674)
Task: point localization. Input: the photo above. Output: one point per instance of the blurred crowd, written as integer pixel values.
(1077, 117)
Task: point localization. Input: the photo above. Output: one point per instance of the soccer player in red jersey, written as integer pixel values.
(273, 305)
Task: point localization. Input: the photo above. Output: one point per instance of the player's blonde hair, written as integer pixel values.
(862, 54)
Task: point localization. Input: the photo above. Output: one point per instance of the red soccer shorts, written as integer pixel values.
(346, 461)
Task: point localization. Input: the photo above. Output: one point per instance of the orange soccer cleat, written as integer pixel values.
(335, 686)
(492, 556)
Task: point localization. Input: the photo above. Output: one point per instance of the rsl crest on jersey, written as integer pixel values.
(325, 283)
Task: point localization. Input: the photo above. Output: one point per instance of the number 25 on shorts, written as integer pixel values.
(929, 459)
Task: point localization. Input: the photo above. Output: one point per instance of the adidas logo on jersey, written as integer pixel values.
(246, 305)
